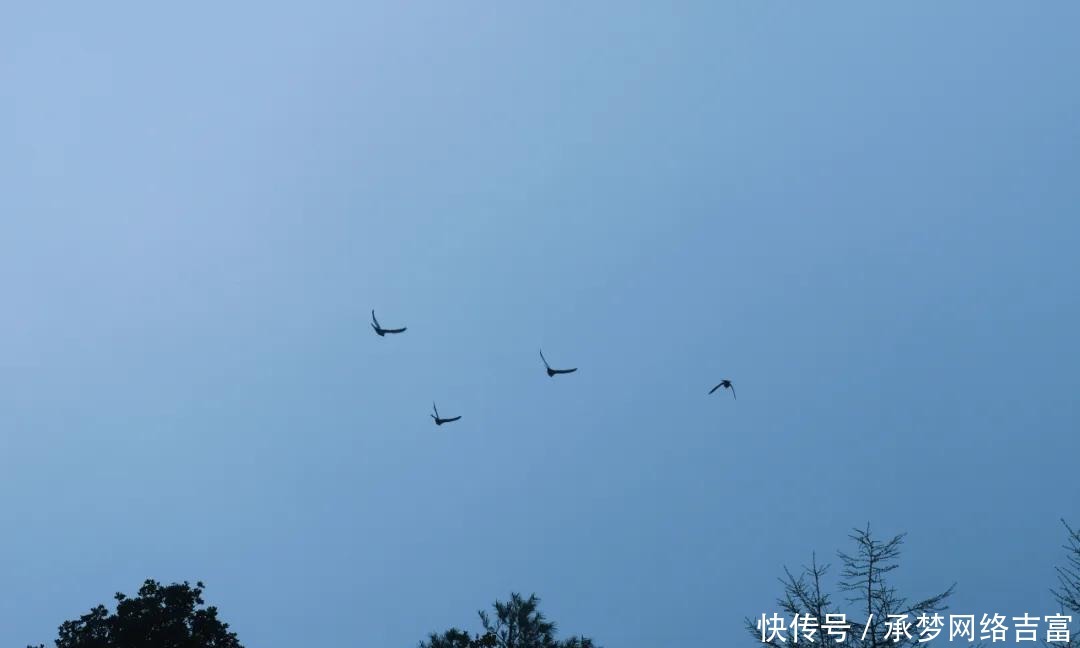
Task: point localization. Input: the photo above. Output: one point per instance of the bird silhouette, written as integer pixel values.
(440, 421)
(380, 331)
(554, 372)
(726, 384)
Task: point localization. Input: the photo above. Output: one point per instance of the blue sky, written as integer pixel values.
(865, 214)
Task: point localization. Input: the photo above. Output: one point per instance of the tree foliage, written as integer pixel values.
(1067, 592)
(172, 616)
(864, 584)
(518, 623)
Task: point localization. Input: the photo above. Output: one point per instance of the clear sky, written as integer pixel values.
(863, 213)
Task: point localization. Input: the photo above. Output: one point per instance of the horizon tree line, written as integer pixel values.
(176, 616)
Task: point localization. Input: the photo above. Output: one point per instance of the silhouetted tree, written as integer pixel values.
(518, 623)
(1068, 591)
(173, 616)
(865, 586)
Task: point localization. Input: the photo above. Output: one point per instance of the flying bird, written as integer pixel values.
(553, 372)
(380, 331)
(726, 384)
(440, 421)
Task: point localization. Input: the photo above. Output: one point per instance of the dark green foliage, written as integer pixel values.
(518, 623)
(173, 616)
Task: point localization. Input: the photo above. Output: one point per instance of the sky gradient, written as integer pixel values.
(864, 214)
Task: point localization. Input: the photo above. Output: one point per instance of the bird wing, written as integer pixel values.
(400, 330)
(715, 388)
(435, 408)
(733, 392)
(544, 359)
(564, 371)
(375, 320)
(451, 420)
